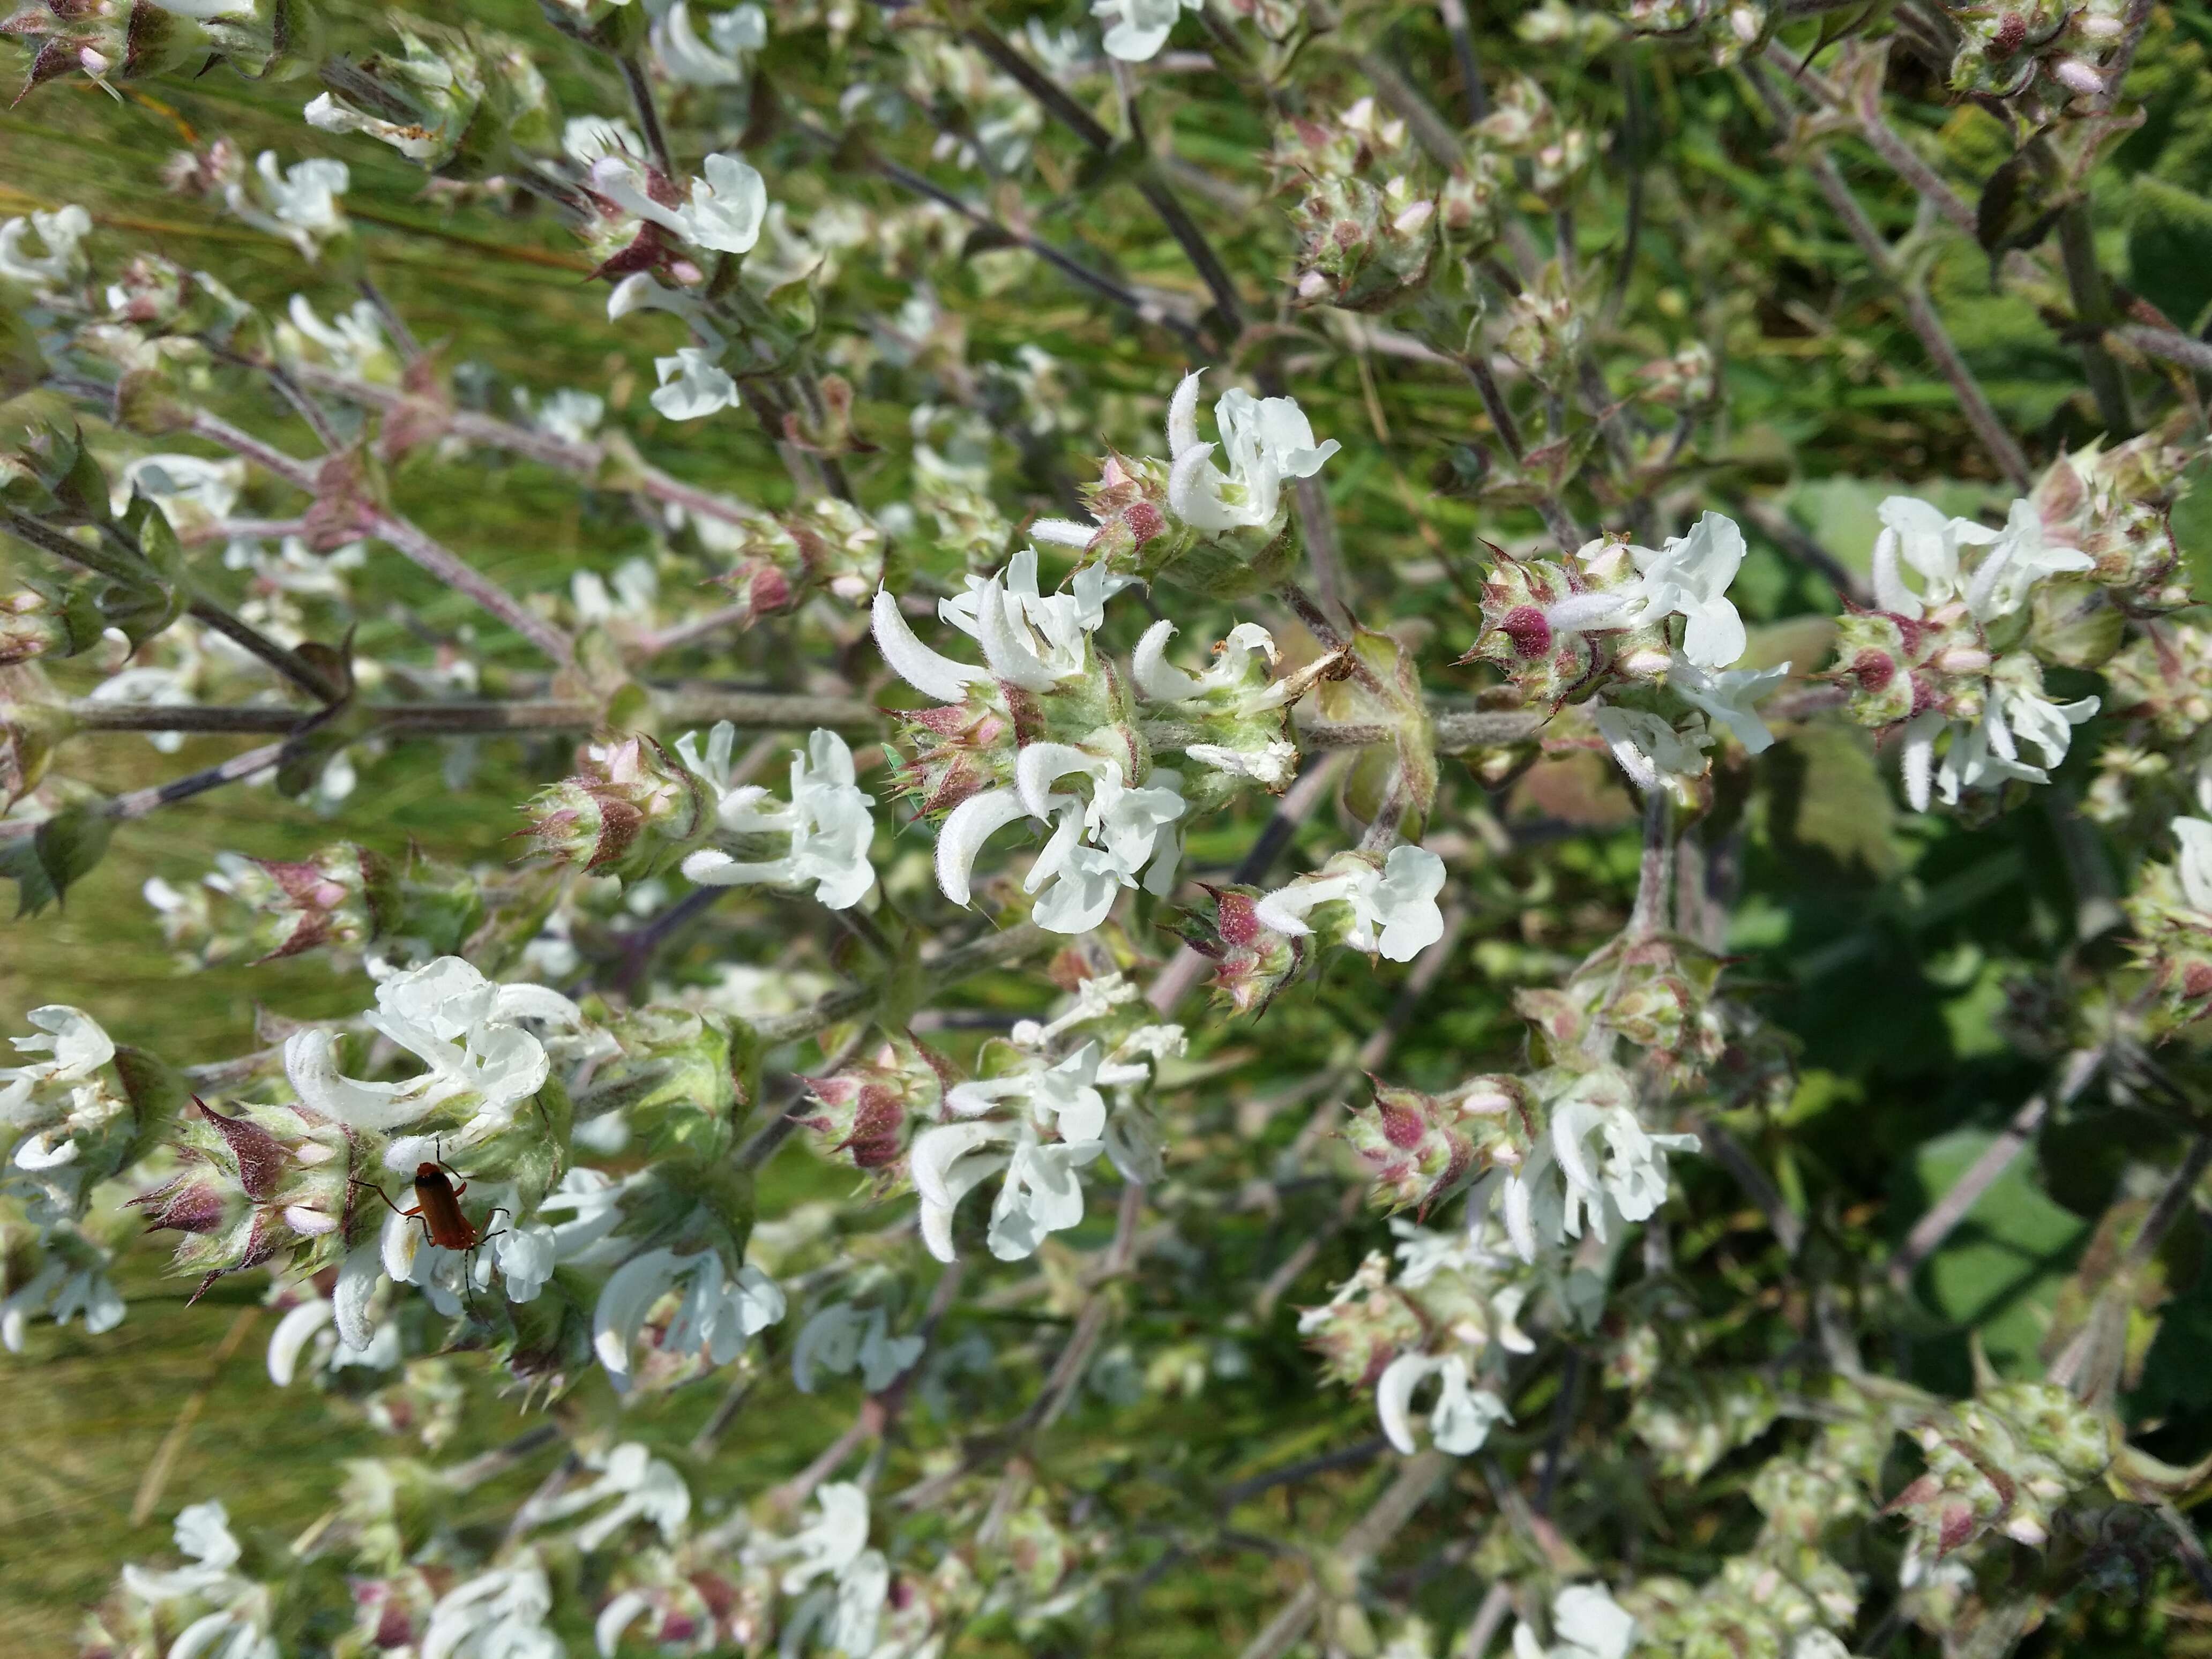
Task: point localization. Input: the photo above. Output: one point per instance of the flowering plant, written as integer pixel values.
(1453, 768)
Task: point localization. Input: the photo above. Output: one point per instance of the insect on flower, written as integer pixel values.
(438, 1188)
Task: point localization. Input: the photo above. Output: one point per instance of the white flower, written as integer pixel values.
(1463, 1415)
(1688, 577)
(1916, 534)
(191, 491)
(715, 1316)
(2019, 559)
(1029, 640)
(1063, 1097)
(1393, 908)
(1265, 441)
(462, 1027)
(640, 1483)
(1159, 680)
(1040, 1194)
(841, 1338)
(722, 213)
(2193, 866)
(685, 57)
(526, 1252)
(302, 203)
(1651, 751)
(76, 1046)
(1097, 845)
(1140, 27)
(411, 139)
(1273, 764)
(1634, 1173)
(354, 340)
(1986, 753)
(61, 231)
(832, 1544)
(1095, 997)
(827, 819)
(1728, 697)
(498, 1615)
(203, 1532)
(574, 415)
(642, 291)
(862, 1589)
(693, 385)
(1589, 1625)
(63, 1289)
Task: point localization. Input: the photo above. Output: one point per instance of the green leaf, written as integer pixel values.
(1829, 798)
(64, 849)
(2001, 1271)
(2193, 527)
(2170, 249)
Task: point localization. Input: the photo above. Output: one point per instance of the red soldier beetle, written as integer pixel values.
(438, 1190)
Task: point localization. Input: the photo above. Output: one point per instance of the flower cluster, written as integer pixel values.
(1048, 731)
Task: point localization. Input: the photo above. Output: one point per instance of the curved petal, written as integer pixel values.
(1158, 679)
(357, 1277)
(292, 1335)
(1890, 592)
(1005, 649)
(1393, 1397)
(618, 1616)
(1040, 765)
(311, 1063)
(1064, 532)
(628, 1295)
(1193, 494)
(1183, 412)
(962, 836)
(925, 669)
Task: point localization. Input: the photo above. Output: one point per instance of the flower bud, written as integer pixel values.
(1421, 1148)
(1364, 1328)
(632, 812)
(1361, 248)
(34, 623)
(865, 1114)
(1545, 664)
(1251, 961)
(826, 546)
(1137, 533)
(2166, 680)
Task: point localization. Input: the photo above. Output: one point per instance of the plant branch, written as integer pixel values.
(1150, 184)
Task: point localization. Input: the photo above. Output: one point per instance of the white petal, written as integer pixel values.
(1041, 765)
(1183, 412)
(1393, 1397)
(1005, 647)
(618, 1616)
(1192, 495)
(357, 1278)
(291, 1335)
(1156, 678)
(925, 669)
(1064, 532)
(966, 828)
(311, 1064)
